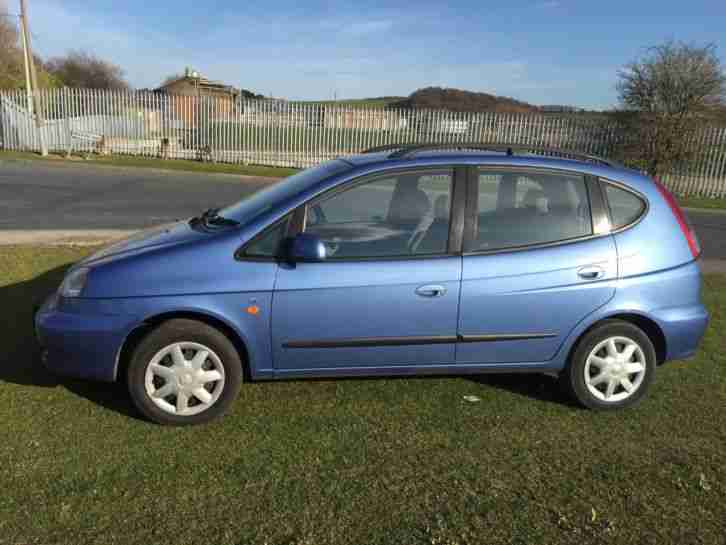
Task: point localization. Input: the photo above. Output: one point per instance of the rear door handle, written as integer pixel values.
(591, 272)
(431, 290)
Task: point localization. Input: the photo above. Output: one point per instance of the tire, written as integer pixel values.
(594, 366)
(174, 363)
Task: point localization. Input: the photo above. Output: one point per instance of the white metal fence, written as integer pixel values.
(280, 133)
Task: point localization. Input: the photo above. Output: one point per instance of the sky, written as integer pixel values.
(539, 51)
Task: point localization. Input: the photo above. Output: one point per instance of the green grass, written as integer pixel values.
(301, 140)
(378, 102)
(401, 461)
(702, 202)
(145, 162)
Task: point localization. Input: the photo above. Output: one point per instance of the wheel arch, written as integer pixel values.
(648, 325)
(152, 322)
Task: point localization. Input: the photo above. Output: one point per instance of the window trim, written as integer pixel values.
(456, 205)
(470, 235)
(646, 204)
(241, 253)
(599, 210)
(471, 217)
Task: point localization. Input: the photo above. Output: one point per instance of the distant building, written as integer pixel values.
(195, 86)
(192, 83)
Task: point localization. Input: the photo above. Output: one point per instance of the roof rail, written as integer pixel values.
(386, 147)
(403, 151)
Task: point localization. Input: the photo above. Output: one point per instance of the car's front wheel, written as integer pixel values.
(184, 372)
(612, 366)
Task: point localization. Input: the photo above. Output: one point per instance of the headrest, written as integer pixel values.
(535, 198)
(410, 205)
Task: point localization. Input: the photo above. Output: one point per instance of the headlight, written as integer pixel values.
(73, 283)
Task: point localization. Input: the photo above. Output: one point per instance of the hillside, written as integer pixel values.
(438, 98)
(458, 100)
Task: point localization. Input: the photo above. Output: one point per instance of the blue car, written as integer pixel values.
(404, 260)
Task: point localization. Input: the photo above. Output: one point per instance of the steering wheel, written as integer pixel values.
(331, 247)
(420, 231)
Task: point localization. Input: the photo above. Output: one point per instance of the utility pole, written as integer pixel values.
(27, 71)
(39, 121)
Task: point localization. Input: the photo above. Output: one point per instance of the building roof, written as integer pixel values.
(201, 82)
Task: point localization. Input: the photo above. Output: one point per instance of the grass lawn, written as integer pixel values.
(400, 461)
(147, 162)
(378, 102)
(702, 202)
(304, 140)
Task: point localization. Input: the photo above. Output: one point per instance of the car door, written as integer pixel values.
(537, 260)
(387, 295)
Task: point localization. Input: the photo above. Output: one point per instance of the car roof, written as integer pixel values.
(398, 157)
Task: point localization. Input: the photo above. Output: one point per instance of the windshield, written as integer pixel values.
(266, 199)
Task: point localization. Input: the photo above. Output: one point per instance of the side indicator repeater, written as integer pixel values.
(254, 310)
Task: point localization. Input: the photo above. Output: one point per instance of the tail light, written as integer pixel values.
(683, 222)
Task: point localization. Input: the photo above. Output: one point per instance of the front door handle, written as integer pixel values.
(592, 272)
(431, 290)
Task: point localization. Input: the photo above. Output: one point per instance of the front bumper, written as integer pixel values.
(80, 344)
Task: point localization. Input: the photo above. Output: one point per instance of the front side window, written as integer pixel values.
(518, 209)
(395, 215)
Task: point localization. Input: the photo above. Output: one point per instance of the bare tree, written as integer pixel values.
(667, 95)
(12, 69)
(82, 69)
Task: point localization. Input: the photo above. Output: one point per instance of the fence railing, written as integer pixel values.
(279, 133)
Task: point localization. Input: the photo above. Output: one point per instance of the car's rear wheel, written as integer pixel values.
(184, 372)
(612, 366)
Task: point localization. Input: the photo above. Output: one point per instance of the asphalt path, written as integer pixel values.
(710, 226)
(69, 198)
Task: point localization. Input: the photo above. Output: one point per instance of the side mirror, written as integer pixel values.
(306, 247)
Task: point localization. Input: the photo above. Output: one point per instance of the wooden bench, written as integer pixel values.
(77, 136)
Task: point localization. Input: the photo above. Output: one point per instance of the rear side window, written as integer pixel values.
(519, 209)
(625, 207)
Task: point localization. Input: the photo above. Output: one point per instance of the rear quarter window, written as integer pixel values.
(625, 206)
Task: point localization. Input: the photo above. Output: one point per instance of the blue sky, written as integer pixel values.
(541, 51)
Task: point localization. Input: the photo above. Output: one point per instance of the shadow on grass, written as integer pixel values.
(20, 361)
(532, 385)
(535, 386)
(20, 357)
